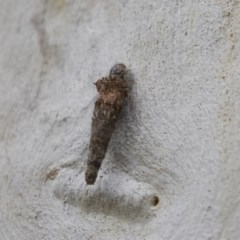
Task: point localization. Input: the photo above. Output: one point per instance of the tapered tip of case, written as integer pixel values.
(90, 178)
(118, 69)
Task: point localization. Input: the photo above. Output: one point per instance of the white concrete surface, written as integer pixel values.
(178, 139)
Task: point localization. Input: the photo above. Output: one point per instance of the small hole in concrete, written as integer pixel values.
(155, 201)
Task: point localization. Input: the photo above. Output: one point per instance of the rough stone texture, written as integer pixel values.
(177, 140)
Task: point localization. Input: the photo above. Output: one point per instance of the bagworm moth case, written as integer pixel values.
(112, 92)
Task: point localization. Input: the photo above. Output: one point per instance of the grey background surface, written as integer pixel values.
(178, 137)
